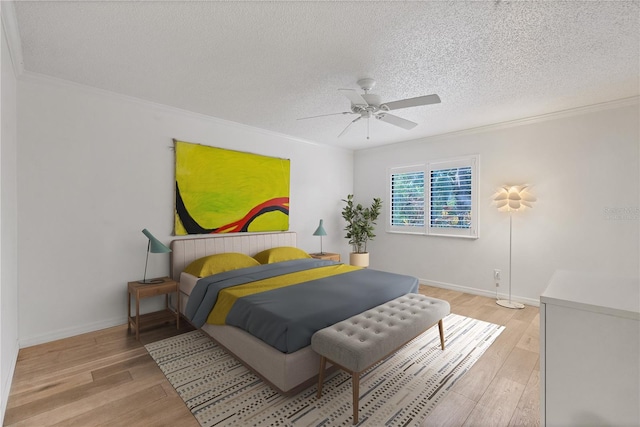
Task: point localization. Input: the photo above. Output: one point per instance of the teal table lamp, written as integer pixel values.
(157, 247)
(320, 232)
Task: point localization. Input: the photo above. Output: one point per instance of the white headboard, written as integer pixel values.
(184, 251)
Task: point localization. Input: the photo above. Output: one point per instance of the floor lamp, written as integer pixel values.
(512, 198)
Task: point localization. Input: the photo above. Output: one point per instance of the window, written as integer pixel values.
(436, 198)
(407, 199)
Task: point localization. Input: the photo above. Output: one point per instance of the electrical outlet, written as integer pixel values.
(497, 276)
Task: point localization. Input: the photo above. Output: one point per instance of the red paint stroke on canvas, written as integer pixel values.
(278, 204)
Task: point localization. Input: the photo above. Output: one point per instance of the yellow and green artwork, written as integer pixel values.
(226, 191)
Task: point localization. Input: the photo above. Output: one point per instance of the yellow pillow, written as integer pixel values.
(282, 253)
(219, 263)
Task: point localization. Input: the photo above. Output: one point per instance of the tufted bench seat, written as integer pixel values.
(359, 342)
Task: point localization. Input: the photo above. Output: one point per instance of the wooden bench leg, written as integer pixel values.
(323, 361)
(356, 395)
(441, 334)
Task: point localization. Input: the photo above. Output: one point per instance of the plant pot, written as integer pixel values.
(359, 259)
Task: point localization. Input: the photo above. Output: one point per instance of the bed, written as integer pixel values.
(292, 366)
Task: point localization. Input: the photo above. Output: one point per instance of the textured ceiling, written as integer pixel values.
(265, 64)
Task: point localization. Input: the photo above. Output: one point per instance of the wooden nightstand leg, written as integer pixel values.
(137, 318)
(128, 312)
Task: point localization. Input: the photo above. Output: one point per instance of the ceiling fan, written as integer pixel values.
(368, 105)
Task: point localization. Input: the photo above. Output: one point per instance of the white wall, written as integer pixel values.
(580, 164)
(8, 227)
(95, 168)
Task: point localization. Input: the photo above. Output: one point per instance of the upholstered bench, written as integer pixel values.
(361, 341)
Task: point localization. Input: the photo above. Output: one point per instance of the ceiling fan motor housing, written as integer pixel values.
(373, 104)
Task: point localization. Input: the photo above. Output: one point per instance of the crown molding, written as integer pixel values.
(45, 79)
(602, 106)
(608, 105)
(11, 32)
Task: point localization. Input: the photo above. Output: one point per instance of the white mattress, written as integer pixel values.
(187, 283)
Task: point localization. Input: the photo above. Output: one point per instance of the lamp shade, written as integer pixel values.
(155, 245)
(513, 198)
(320, 230)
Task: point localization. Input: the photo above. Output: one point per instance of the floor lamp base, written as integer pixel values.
(509, 304)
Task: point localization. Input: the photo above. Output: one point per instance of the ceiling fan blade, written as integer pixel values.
(352, 122)
(354, 96)
(325, 115)
(412, 102)
(397, 121)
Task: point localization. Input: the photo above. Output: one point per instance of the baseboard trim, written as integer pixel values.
(71, 332)
(481, 292)
(6, 387)
(92, 327)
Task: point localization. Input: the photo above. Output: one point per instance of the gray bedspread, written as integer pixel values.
(287, 317)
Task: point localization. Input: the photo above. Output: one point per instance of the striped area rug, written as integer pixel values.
(399, 391)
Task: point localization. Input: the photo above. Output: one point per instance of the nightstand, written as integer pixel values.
(146, 290)
(326, 255)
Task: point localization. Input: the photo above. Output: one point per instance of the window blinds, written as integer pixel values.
(407, 199)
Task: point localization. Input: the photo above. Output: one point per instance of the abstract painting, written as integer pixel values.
(226, 191)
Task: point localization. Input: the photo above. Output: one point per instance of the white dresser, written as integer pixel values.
(590, 351)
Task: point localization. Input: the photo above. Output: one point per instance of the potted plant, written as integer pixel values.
(360, 225)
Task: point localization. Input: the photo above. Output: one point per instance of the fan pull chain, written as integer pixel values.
(368, 121)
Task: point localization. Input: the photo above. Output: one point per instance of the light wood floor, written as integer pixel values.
(106, 378)
(502, 388)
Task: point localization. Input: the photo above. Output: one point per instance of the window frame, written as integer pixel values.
(427, 168)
